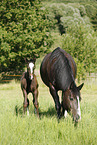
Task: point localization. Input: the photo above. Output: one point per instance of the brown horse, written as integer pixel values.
(58, 72)
(29, 84)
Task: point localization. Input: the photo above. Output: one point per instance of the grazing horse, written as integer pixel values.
(58, 72)
(29, 84)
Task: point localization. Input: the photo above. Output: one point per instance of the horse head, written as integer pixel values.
(30, 67)
(71, 101)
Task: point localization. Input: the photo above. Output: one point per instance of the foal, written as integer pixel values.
(29, 84)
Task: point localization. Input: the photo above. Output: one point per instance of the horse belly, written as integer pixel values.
(61, 83)
(23, 83)
(43, 70)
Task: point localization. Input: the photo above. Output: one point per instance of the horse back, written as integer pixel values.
(58, 68)
(71, 62)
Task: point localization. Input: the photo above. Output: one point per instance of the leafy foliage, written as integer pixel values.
(91, 10)
(81, 43)
(26, 28)
(67, 14)
(24, 32)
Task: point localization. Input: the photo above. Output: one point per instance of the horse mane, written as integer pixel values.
(60, 69)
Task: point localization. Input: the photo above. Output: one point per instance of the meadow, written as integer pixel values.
(17, 129)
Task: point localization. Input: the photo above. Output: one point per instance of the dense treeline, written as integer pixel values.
(29, 28)
(24, 32)
(90, 7)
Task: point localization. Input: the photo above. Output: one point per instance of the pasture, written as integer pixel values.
(16, 129)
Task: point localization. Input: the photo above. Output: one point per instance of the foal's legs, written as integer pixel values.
(56, 99)
(35, 101)
(26, 102)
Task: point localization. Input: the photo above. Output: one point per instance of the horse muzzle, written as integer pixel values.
(77, 118)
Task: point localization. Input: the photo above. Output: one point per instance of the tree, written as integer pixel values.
(24, 32)
(81, 42)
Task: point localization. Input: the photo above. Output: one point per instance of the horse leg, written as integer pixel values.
(35, 101)
(26, 102)
(56, 99)
(27, 106)
(62, 109)
(65, 113)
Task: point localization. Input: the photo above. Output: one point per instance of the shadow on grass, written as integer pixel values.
(49, 113)
(18, 110)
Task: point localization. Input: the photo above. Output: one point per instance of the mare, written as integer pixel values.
(29, 84)
(58, 72)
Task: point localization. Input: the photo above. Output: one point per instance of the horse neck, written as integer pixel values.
(27, 75)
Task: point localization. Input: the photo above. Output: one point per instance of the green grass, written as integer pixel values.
(16, 129)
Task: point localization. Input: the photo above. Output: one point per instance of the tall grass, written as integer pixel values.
(29, 130)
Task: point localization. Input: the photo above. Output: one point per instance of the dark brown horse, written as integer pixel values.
(29, 84)
(58, 72)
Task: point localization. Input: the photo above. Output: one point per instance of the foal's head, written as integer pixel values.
(71, 98)
(30, 67)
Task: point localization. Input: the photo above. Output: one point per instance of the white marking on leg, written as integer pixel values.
(65, 114)
(27, 111)
(78, 109)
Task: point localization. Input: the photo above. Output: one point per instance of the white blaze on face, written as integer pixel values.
(31, 66)
(78, 109)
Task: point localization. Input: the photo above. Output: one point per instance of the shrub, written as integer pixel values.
(81, 42)
(66, 15)
(24, 33)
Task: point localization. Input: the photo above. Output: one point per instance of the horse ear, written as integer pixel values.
(34, 59)
(80, 87)
(72, 85)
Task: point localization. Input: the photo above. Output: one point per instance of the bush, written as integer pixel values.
(24, 33)
(81, 42)
(91, 10)
(67, 14)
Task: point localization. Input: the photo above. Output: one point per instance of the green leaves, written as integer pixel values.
(24, 28)
(81, 43)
